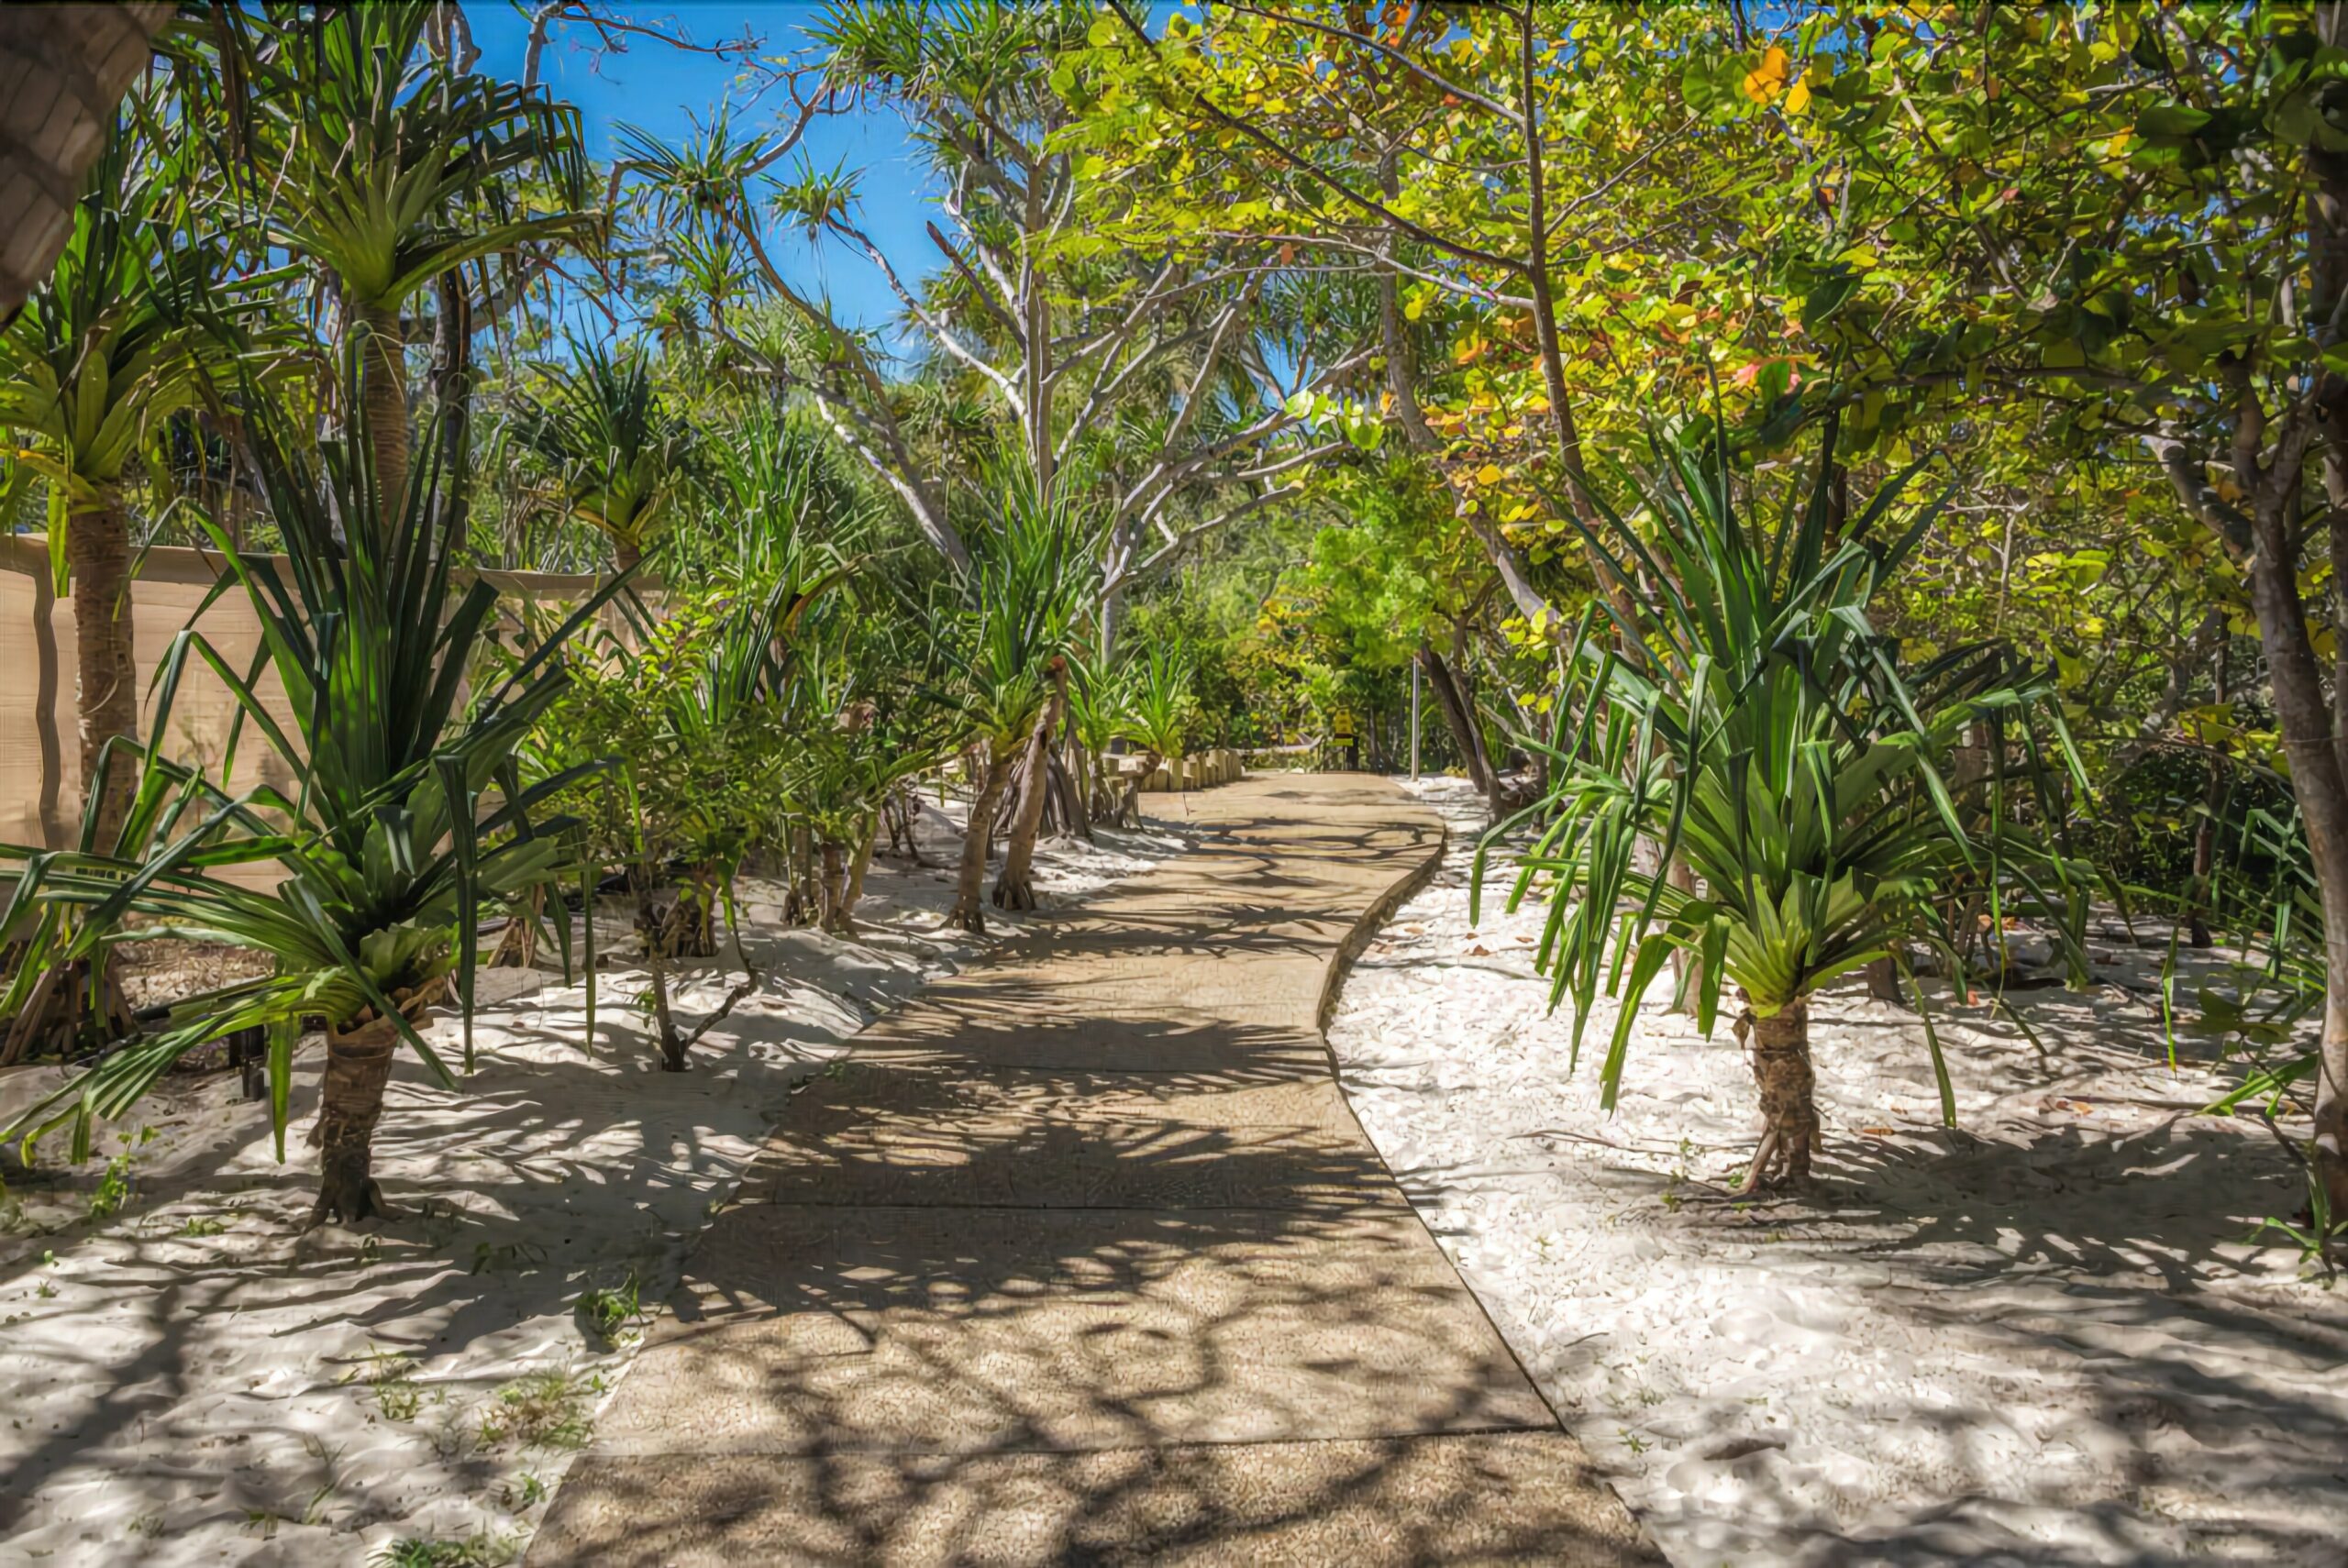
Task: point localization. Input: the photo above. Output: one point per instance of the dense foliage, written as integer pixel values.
(1273, 372)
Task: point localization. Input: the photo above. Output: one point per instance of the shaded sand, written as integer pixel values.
(193, 1381)
(2037, 1340)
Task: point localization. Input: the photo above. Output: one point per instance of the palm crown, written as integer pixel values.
(1748, 721)
(617, 457)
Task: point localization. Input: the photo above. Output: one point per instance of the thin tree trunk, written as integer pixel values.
(833, 894)
(672, 1045)
(1130, 812)
(1067, 801)
(1016, 887)
(382, 362)
(2213, 799)
(968, 890)
(1402, 360)
(624, 555)
(2205, 857)
(452, 389)
(1465, 733)
(1790, 1134)
(1687, 968)
(2317, 780)
(856, 870)
(98, 558)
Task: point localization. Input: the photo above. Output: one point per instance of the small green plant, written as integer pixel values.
(200, 1225)
(527, 1490)
(390, 1376)
(481, 1551)
(398, 1401)
(151, 1526)
(1633, 1441)
(114, 1189)
(2322, 1238)
(610, 1312)
(545, 1410)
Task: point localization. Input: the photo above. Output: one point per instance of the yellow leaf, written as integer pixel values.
(1797, 101)
(1767, 79)
(1488, 474)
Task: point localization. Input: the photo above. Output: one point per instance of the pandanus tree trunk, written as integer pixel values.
(1790, 1134)
(1016, 887)
(831, 890)
(1129, 811)
(995, 769)
(844, 918)
(359, 1065)
(97, 557)
(383, 381)
(350, 1102)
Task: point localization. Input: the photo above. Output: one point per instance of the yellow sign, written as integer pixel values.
(1341, 725)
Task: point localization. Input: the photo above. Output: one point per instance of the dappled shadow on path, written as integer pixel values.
(1082, 1258)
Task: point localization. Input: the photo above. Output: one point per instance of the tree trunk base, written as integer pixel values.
(359, 1065)
(1012, 893)
(973, 921)
(1780, 1048)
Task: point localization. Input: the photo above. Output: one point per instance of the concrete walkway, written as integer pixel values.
(1081, 1258)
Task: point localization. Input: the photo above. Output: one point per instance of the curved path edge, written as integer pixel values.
(1081, 1256)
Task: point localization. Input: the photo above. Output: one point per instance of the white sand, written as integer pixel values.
(2040, 1340)
(195, 1381)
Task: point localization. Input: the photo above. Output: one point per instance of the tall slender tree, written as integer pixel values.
(385, 164)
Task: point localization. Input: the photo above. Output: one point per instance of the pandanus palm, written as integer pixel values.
(1158, 713)
(385, 167)
(125, 333)
(1750, 721)
(404, 815)
(1100, 699)
(616, 457)
(1020, 601)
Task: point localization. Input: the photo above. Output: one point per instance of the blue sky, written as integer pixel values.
(663, 90)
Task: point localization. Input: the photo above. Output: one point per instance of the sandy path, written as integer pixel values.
(195, 1381)
(2039, 1340)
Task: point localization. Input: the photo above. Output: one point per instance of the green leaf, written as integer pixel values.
(1821, 303)
(2171, 122)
